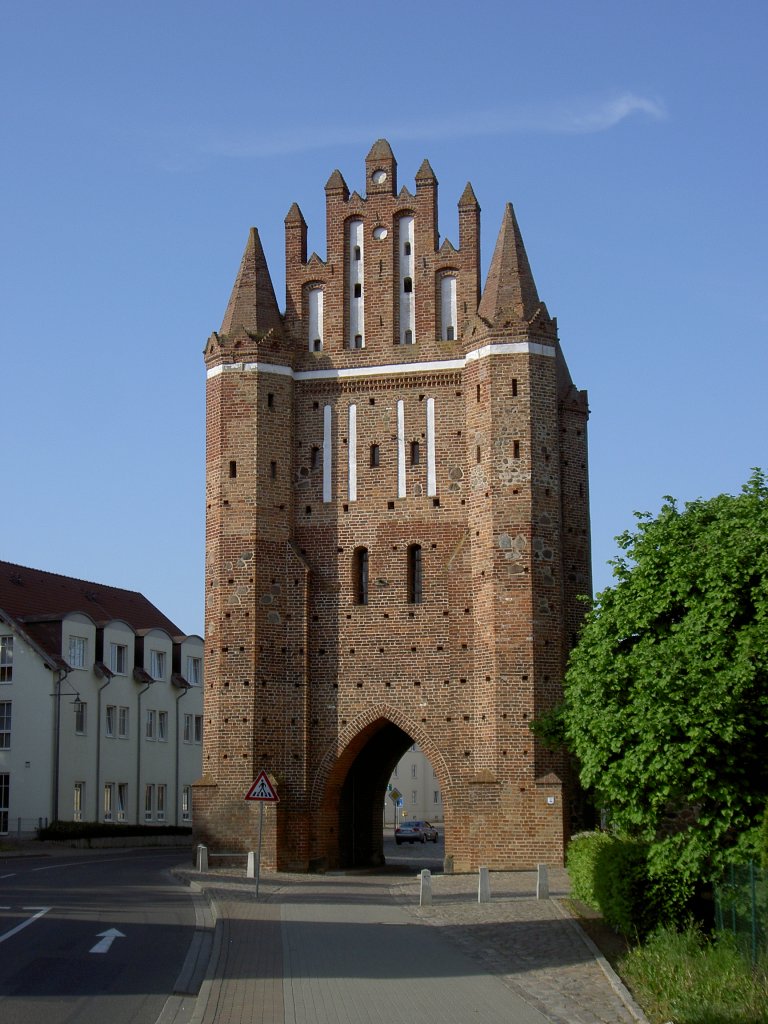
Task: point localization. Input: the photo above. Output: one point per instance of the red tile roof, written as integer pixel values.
(28, 594)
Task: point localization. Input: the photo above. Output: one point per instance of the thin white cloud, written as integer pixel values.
(573, 117)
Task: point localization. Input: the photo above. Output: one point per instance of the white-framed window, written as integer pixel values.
(77, 649)
(198, 728)
(6, 659)
(149, 801)
(123, 722)
(150, 724)
(194, 671)
(157, 664)
(413, 796)
(161, 795)
(122, 800)
(187, 728)
(162, 725)
(186, 803)
(78, 801)
(5, 800)
(5, 725)
(109, 800)
(109, 725)
(118, 658)
(81, 717)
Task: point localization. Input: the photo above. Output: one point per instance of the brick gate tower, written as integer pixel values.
(397, 535)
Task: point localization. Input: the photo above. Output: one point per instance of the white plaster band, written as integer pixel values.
(400, 448)
(439, 365)
(327, 451)
(352, 452)
(431, 473)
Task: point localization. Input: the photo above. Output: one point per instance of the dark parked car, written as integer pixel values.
(415, 832)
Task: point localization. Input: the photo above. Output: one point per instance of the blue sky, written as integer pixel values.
(141, 141)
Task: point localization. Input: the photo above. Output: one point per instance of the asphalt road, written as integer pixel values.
(416, 856)
(57, 964)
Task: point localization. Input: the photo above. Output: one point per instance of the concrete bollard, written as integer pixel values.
(425, 893)
(250, 867)
(202, 857)
(484, 886)
(542, 882)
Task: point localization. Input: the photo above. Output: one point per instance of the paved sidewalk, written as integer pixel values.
(338, 949)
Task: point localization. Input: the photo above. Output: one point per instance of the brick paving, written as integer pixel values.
(358, 948)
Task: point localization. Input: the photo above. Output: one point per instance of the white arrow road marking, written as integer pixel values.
(107, 940)
(18, 928)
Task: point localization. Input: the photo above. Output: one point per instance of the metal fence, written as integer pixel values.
(741, 908)
(22, 828)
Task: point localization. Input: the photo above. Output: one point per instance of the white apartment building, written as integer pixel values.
(415, 780)
(101, 705)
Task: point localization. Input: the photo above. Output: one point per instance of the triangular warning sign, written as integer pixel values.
(262, 790)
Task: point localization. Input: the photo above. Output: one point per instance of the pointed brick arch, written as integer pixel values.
(340, 755)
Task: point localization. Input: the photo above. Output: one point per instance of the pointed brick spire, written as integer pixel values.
(468, 197)
(381, 169)
(510, 291)
(425, 173)
(252, 305)
(336, 183)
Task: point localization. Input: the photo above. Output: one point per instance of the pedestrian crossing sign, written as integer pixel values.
(263, 790)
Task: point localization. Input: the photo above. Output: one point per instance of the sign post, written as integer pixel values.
(263, 792)
(397, 798)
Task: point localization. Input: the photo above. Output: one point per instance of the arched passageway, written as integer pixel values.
(362, 797)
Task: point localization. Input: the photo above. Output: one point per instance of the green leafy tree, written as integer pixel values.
(666, 704)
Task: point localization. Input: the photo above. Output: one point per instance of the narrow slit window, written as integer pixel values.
(514, 387)
(232, 469)
(361, 575)
(375, 455)
(409, 337)
(358, 341)
(415, 453)
(273, 470)
(478, 392)
(270, 400)
(407, 249)
(415, 574)
(315, 457)
(358, 290)
(357, 253)
(516, 450)
(407, 284)
(450, 334)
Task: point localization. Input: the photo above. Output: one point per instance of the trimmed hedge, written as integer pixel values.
(611, 874)
(62, 830)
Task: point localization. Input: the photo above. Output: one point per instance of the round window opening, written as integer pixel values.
(379, 233)
(379, 177)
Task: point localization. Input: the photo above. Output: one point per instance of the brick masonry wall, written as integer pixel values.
(325, 693)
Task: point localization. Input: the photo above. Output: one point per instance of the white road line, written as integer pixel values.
(18, 928)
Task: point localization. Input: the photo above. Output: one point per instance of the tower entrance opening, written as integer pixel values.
(362, 796)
